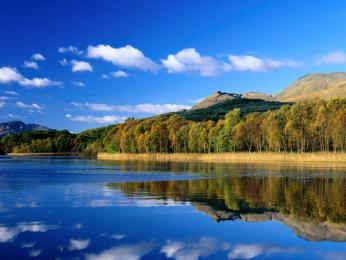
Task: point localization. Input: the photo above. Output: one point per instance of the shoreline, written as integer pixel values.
(41, 154)
(235, 158)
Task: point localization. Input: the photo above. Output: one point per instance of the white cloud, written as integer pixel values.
(11, 116)
(193, 250)
(118, 236)
(31, 65)
(104, 76)
(28, 245)
(10, 92)
(33, 107)
(336, 57)
(128, 252)
(191, 61)
(10, 74)
(332, 255)
(77, 226)
(8, 234)
(39, 83)
(252, 63)
(78, 244)
(71, 49)
(246, 251)
(78, 83)
(127, 57)
(249, 251)
(80, 66)
(95, 119)
(38, 57)
(140, 108)
(35, 252)
(4, 98)
(35, 226)
(119, 74)
(2, 104)
(63, 62)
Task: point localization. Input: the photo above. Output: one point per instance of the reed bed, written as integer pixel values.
(241, 157)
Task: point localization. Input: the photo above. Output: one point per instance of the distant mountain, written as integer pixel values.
(317, 85)
(14, 127)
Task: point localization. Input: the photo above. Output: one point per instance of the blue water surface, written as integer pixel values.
(75, 208)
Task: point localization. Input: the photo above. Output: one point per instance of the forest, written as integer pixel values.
(307, 126)
(88, 142)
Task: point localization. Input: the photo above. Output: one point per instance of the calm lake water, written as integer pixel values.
(73, 208)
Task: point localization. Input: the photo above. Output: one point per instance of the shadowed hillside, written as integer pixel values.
(218, 111)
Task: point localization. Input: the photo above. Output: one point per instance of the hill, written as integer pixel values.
(220, 97)
(318, 85)
(215, 98)
(258, 95)
(14, 127)
(218, 111)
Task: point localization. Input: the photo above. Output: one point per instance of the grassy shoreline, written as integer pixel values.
(243, 157)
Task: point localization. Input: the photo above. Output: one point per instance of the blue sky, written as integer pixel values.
(103, 61)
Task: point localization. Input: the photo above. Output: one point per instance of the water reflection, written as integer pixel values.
(66, 208)
(314, 207)
(8, 233)
(134, 251)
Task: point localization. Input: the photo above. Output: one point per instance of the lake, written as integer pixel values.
(75, 208)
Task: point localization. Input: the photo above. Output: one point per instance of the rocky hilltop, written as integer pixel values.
(216, 98)
(220, 97)
(14, 127)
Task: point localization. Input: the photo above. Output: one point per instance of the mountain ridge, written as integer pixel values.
(310, 86)
(14, 127)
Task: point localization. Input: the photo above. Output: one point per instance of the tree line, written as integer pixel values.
(308, 126)
(88, 142)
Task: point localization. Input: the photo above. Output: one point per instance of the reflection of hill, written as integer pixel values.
(315, 207)
(323, 231)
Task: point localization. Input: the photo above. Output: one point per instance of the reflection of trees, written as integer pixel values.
(222, 168)
(316, 199)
